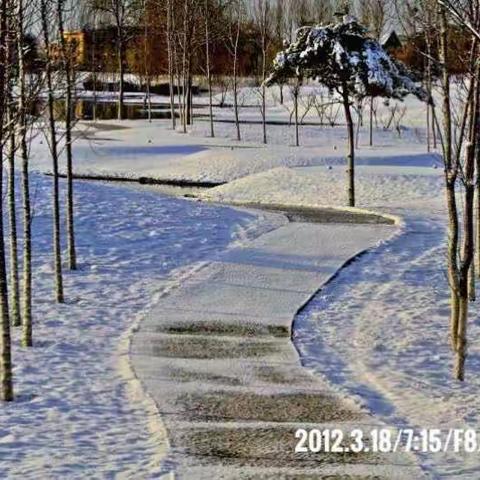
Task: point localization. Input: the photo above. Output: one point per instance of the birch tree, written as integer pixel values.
(67, 64)
(263, 14)
(236, 16)
(27, 337)
(206, 13)
(6, 380)
(171, 60)
(45, 7)
(460, 161)
(10, 154)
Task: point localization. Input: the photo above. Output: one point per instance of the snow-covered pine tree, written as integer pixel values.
(348, 62)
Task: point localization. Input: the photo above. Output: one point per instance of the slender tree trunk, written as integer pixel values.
(10, 133)
(176, 62)
(450, 181)
(147, 64)
(264, 113)
(359, 124)
(208, 68)
(170, 63)
(351, 148)
(468, 247)
(14, 282)
(472, 294)
(467, 257)
(27, 340)
(370, 139)
(189, 95)
(27, 337)
(179, 85)
(179, 95)
(296, 92)
(94, 70)
(477, 243)
(185, 91)
(57, 252)
(6, 377)
(235, 104)
(121, 71)
(69, 85)
(429, 89)
(235, 81)
(265, 11)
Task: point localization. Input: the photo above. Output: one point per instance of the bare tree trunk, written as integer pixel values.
(209, 72)
(170, 62)
(359, 124)
(467, 256)
(179, 87)
(265, 6)
(477, 243)
(235, 79)
(14, 282)
(296, 92)
(6, 377)
(264, 113)
(57, 253)
(472, 294)
(189, 94)
(429, 87)
(69, 86)
(10, 133)
(351, 149)
(94, 70)
(450, 180)
(121, 70)
(27, 340)
(184, 66)
(370, 140)
(147, 63)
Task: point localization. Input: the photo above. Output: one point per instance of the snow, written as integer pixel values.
(377, 333)
(139, 148)
(325, 186)
(260, 285)
(383, 325)
(80, 411)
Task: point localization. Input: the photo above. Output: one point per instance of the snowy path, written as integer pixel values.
(216, 356)
(384, 327)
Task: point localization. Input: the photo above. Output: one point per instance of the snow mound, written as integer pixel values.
(325, 186)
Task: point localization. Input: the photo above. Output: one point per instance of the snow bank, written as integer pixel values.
(325, 186)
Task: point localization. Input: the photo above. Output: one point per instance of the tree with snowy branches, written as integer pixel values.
(348, 62)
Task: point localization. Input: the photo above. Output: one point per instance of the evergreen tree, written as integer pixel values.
(350, 63)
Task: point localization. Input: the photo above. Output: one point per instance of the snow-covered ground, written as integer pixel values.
(135, 148)
(79, 411)
(379, 332)
(383, 326)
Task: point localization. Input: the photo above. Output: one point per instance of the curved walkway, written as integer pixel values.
(216, 356)
(384, 328)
